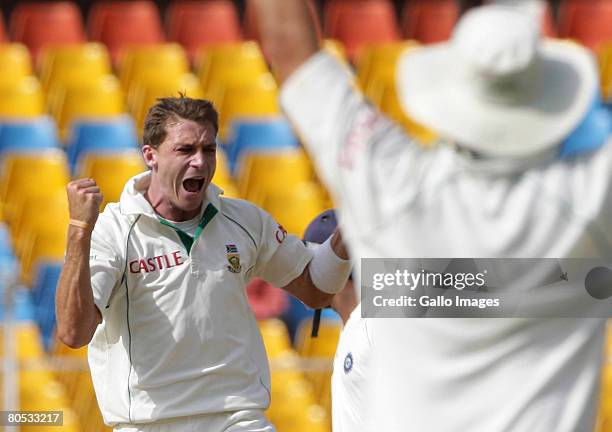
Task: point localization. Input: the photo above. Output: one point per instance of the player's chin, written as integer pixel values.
(191, 200)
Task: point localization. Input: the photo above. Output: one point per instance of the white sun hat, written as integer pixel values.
(496, 87)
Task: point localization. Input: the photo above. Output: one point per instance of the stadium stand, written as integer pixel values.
(268, 135)
(61, 65)
(194, 24)
(144, 93)
(355, 23)
(98, 135)
(22, 97)
(429, 21)
(75, 100)
(586, 21)
(145, 63)
(111, 171)
(224, 65)
(15, 61)
(28, 134)
(376, 76)
(118, 24)
(255, 99)
(38, 24)
(74, 108)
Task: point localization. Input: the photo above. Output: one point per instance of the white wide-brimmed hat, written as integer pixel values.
(496, 87)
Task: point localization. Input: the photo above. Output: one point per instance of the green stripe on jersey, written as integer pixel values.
(186, 239)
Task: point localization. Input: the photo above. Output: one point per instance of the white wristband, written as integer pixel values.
(328, 271)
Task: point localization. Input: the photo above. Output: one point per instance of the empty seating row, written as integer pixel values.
(196, 23)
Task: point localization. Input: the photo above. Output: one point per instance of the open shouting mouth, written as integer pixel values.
(193, 184)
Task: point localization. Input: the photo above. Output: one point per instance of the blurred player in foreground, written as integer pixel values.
(509, 179)
(156, 285)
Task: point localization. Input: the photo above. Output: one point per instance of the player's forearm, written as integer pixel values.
(325, 275)
(306, 291)
(288, 34)
(77, 315)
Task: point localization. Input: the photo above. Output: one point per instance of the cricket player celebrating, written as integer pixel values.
(156, 285)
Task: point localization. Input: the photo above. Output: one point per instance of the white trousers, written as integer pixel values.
(235, 421)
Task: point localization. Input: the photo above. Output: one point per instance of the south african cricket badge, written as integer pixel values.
(233, 258)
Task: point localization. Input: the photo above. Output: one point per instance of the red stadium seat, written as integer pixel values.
(45, 23)
(587, 21)
(2, 29)
(356, 23)
(429, 21)
(121, 23)
(202, 22)
(549, 27)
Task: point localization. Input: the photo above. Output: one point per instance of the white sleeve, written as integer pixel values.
(105, 261)
(281, 257)
(360, 154)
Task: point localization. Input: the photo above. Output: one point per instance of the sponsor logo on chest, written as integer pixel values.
(156, 263)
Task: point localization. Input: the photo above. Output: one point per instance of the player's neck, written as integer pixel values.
(164, 207)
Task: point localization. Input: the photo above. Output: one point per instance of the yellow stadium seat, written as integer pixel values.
(28, 341)
(62, 65)
(15, 62)
(40, 391)
(73, 362)
(112, 171)
(230, 64)
(260, 173)
(258, 98)
(323, 347)
(73, 373)
(22, 97)
(293, 405)
(605, 402)
(150, 61)
(48, 244)
(376, 76)
(604, 60)
(99, 98)
(145, 94)
(379, 61)
(38, 388)
(30, 219)
(275, 336)
(26, 176)
(295, 207)
(222, 177)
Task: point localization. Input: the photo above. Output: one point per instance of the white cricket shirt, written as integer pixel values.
(396, 199)
(178, 337)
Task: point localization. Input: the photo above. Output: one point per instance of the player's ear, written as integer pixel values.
(149, 155)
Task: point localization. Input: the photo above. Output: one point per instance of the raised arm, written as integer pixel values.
(288, 34)
(77, 315)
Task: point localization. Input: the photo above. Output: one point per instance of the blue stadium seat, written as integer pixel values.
(28, 134)
(261, 134)
(24, 308)
(6, 247)
(43, 297)
(592, 133)
(104, 135)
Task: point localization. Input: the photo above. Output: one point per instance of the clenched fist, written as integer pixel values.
(84, 200)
